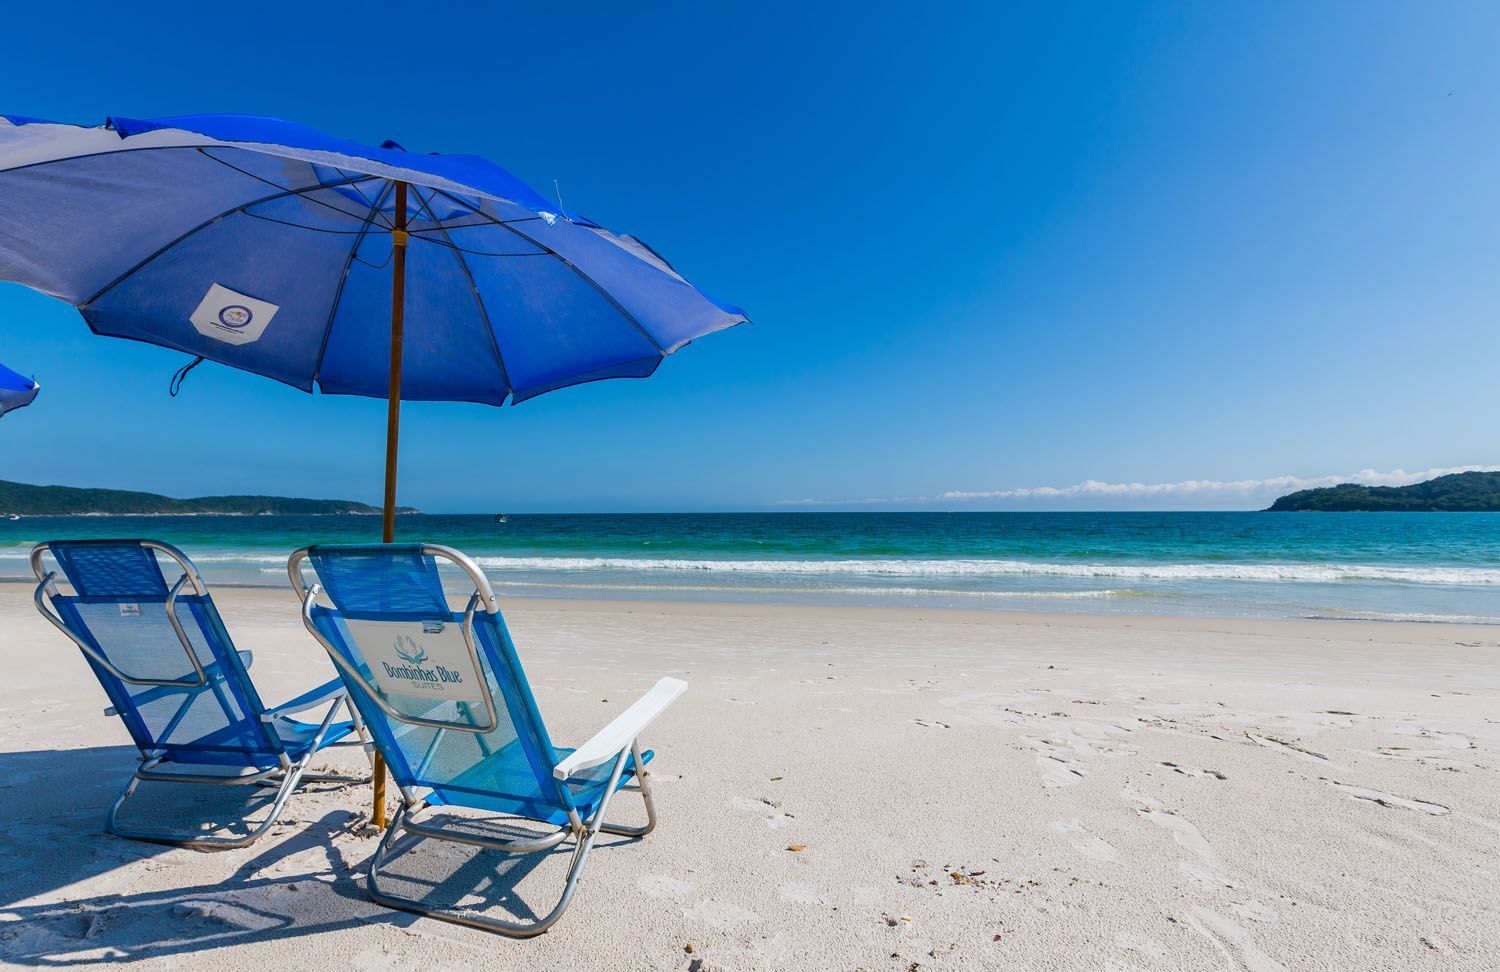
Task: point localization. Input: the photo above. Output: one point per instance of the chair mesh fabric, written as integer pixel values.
(507, 769)
(389, 581)
(120, 610)
(110, 567)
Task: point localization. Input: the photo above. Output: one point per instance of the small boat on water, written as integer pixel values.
(501, 518)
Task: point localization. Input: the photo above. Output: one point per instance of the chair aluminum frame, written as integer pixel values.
(583, 832)
(285, 776)
(47, 587)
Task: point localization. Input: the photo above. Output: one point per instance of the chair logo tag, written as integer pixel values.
(418, 658)
(231, 317)
(129, 609)
(410, 652)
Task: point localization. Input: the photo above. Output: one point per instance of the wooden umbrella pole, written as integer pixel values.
(393, 404)
(392, 428)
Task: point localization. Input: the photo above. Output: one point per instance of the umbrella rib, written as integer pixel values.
(449, 244)
(338, 294)
(478, 300)
(452, 225)
(202, 226)
(369, 203)
(574, 267)
(202, 150)
(95, 155)
(347, 180)
(302, 226)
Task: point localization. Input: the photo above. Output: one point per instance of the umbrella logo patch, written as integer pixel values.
(235, 316)
(231, 317)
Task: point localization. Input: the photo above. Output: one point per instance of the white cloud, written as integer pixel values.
(1247, 492)
(867, 501)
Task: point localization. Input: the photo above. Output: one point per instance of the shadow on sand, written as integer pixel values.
(71, 894)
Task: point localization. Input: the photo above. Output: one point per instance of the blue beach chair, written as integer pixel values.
(176, 680)
(448, 704)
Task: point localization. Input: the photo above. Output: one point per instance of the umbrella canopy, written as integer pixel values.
(15, 391)
(268, 246)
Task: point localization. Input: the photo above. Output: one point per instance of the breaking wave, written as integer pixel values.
(1307, 573)
(896, 568)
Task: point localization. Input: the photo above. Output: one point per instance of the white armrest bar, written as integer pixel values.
(335, 690)
(616, 737)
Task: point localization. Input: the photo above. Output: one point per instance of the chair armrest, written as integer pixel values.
(616, 737)
(321, 695)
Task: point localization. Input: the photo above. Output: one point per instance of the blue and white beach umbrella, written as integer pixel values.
(273, 248)
(276, 249)
(16, 391)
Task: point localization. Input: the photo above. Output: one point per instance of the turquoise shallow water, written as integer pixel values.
(1398, 566)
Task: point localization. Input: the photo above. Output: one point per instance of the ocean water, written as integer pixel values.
(1394, 566)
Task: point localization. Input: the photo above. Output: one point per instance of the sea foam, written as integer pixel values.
(1307, 573)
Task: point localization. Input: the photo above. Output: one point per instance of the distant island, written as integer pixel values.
(24, 499)
(1470, 492)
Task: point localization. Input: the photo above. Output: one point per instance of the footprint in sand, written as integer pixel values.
(1103, 738)
(663, 885)
(1440, 758)
(800, 892)
(310, 863)
(1204, 877)
(385, 957)
(1387, 799)
(1057, 770)
(1184, 771)
(1445, 740)
(1141, 944)
(1234, 942)
(720, 914)
(769, 811)
(1084, 842)
(991, 708)
(1255, 911)
(1291, 749)
(1208, 871)
(49, 936)
(780, 951)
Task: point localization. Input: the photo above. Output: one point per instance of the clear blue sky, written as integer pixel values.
(984, 247)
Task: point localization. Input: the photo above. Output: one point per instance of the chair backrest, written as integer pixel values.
(159, 650)
(442, 691)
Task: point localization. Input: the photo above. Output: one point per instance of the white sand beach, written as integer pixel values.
(967, 790)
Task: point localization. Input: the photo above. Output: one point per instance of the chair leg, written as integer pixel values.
(643, 786)
(585, 841)
(289, 783)
(510, 929)
(291, 776)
